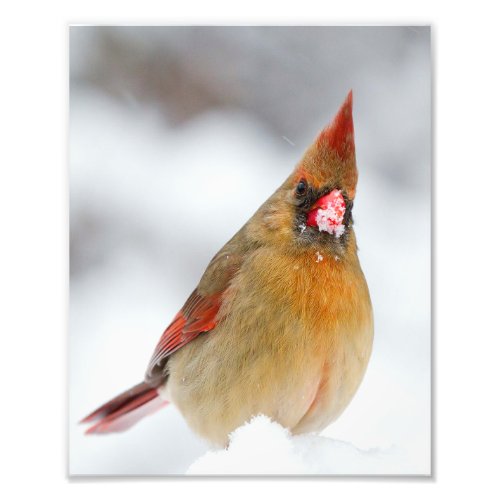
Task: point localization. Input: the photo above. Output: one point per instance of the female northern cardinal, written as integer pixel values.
(281, 322)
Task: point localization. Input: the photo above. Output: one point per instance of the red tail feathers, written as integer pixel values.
(125, 410)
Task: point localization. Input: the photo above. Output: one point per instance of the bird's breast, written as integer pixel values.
(322, 292)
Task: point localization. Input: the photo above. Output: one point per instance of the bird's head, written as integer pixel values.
(313, 206)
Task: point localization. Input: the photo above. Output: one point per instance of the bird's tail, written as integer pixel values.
(125, 410)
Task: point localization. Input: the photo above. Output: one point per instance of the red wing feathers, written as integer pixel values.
(199, 313)
(197, 316)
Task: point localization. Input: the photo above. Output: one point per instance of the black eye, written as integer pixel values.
(301, 188)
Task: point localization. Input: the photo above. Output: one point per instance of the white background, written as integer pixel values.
(34, 258)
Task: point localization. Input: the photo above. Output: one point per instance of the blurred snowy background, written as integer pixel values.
(177, 135)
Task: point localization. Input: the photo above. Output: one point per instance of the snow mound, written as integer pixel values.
(262, 447)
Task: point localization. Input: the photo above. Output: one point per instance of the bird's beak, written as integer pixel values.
(328, 213)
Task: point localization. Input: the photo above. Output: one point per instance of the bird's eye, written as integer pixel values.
(301, 188)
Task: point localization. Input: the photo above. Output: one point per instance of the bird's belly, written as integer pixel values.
(216, 396)
(302, 389)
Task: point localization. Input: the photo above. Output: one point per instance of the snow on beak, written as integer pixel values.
(327, 214)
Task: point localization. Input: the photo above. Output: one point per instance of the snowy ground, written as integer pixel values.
(265, 447)
(155, 203)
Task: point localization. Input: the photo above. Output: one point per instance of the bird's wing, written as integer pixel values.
(200, 312)
(198, 315)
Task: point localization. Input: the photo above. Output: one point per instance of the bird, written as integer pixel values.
(281, 322)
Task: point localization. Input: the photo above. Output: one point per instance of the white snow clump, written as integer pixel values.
(262, 447)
